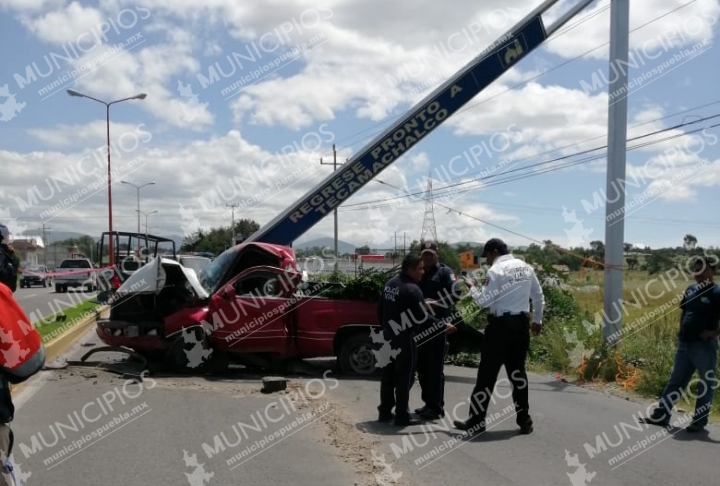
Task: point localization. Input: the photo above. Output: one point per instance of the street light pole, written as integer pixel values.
(138, 202)
(146, 228)
(140, 96)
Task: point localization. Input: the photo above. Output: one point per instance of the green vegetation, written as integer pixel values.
(73, 315)
(217, 240)
(640, 360)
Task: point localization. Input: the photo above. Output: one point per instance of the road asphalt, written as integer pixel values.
(39, 302)
(205, 430)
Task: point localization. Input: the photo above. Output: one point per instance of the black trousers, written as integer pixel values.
(397, 379)
(430, 368)
(507, 340)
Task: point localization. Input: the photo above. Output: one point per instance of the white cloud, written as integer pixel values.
(93, 133)
(150, 69)
(682, 28)
(29, 5)
(66, 24)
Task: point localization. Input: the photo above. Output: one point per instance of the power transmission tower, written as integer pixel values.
(232, 228)
(429, 219)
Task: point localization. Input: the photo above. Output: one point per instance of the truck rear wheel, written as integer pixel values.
(356, 355)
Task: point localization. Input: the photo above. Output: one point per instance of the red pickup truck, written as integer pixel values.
(249, 305)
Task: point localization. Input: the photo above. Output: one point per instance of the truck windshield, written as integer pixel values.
(75, 264)
(196, 263)
(210, 275)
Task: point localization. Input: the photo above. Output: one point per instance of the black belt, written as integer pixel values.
(509, 314)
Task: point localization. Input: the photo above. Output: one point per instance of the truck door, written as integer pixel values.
(317, 320)
(249, 314)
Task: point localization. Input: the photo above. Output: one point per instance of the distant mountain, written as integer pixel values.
(343, 246)
(53, 236)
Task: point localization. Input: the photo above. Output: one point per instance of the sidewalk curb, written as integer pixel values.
(60, 344)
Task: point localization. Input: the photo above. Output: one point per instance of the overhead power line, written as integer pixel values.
(480, 180)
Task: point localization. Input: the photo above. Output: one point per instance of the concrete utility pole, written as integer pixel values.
(232, 228)
(617, 147)
(334, 164)
(45, 245)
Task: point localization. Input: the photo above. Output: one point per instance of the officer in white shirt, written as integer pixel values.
(510, 285)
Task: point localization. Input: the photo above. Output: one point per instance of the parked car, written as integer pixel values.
(70, 274)
(249, 305)
(35, 275)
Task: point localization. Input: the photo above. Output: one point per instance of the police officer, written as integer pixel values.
(9, 262)
(438, 284)
(696, 350)
(510, 285)
(403, 314)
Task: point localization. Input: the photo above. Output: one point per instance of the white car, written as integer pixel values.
(71, 274)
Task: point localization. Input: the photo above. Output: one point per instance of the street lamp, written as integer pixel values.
(138, 201)
(141, 96)
(146, 226)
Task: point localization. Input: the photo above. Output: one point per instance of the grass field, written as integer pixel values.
(73, 316)
(651, 319)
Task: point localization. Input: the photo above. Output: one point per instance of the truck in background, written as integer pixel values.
(131, 252)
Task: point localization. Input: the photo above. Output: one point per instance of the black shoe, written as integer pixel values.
(695, 427)
(430, 414)
(406, 421)
(474, 426)
(527, 428)
(663, 422)
(386, 417)
(422, 410)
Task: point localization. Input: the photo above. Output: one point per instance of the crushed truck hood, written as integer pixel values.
(151, 278)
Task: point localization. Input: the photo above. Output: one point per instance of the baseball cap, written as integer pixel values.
(430, 246)
(494, 244)
(5, 233)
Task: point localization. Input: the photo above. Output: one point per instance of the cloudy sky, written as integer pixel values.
(245, 98)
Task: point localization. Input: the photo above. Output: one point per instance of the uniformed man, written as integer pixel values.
(403, 314)
(697, 348)
(510, 285)
(438, 284)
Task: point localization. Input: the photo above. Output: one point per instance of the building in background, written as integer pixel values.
(30, 250)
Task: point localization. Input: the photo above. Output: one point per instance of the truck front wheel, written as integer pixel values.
(191, 352)
(356, 355)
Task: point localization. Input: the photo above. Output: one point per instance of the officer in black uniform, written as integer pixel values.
(401, 297)
(439, 284)
(697, 348)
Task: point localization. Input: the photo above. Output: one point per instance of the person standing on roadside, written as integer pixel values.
(697, 349)
(13, 320)
(438, 284)
(403, 313)
(9, 263)
(510, 285)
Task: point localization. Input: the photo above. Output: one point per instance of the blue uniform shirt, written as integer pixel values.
(439, 283)
(402, 310)
(700, 311)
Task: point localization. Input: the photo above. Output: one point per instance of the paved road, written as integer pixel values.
(568, 419)
(336, 443)
(159, 430)
(38, 302)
